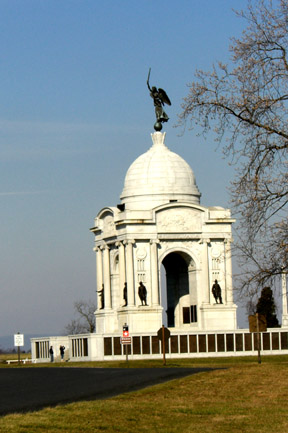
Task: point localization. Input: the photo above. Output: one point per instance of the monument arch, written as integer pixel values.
(181, 289)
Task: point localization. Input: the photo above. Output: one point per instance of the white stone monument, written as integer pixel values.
(161, 236)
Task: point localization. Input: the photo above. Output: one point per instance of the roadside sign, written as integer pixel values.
(163, 335)
(126, 340)
(163, 332)
(18, 340)
(125, 330)
(257, 324)
(261, 326)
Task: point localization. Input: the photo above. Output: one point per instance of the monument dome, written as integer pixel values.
(159, 176)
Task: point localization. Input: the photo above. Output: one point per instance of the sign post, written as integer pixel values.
(163, 335)
(18, 341)
(126, 339)
(257, 323)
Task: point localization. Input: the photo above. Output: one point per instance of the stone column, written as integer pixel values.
(106, 272)
(205, 271)
(99, 274)
(284, 300)
(284, 294)
(130, 272)
(122, 270)
(154, 272)
(228, 271)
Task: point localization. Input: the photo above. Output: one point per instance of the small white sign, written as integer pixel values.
(18, 339)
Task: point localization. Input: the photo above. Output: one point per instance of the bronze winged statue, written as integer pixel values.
(160, 98)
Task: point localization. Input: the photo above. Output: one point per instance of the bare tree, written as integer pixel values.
(85, 321)
(245, 104)
(251, 308)
(75, 327)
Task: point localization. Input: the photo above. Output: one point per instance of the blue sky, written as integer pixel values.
(75, 112)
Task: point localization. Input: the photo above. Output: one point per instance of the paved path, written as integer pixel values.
(26, 389)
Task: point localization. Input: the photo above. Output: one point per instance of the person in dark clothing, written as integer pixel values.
(62, 351)
(51, 351)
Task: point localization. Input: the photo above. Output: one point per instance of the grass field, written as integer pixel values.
(244, 396)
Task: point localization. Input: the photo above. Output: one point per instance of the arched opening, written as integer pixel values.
(178, 290)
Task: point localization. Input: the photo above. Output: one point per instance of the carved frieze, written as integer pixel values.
(108, 226)
(141, 253)
(179, 220)
(217, 252)
(191, 248)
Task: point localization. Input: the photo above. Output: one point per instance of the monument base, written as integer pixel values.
(218, 316)
(141, 319)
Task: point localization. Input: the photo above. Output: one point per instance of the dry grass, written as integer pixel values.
(246, 397)
(5, 356)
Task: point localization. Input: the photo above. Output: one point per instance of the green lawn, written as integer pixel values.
(243, 397)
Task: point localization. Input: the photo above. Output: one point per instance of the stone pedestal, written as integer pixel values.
(141, 319)
(218, 317)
